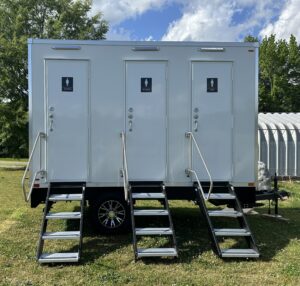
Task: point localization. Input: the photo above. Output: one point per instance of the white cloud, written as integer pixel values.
(212, 20)
(202, 22)
(115, 11)
(149, 38)
(206, 20)
(288, 22)
(118, 34)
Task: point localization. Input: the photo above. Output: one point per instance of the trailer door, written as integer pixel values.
(212, 120)
(67, 120)
(146, 120)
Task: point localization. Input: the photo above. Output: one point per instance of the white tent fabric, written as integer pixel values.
(279, 142)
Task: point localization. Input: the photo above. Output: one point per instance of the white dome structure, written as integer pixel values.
(279, 143)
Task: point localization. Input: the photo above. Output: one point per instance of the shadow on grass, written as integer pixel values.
(272, 235)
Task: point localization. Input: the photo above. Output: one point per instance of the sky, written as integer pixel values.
(199, 20)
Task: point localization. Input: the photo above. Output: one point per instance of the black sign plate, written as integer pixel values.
(146, 84)
(67, 83)
(212, 85)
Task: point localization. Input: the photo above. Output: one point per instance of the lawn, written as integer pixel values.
(14, 159)
(108, 260)
(13, 164)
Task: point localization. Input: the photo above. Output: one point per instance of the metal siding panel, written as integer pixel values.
(108, 100)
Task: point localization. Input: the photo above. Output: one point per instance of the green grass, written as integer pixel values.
(14, 159)
(108, 260)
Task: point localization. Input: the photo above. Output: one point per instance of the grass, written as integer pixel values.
(108, 260)
(14, 159)
(12, 164)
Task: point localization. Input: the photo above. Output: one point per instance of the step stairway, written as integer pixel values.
(152, 192)
(54, 195)
(236, 213)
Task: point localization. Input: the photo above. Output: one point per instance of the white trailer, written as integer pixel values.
(114, 118)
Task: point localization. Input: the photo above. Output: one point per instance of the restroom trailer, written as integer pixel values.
(112, 123)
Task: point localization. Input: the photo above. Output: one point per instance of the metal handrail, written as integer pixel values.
(206, 197)
(124, 169)
(27, 196)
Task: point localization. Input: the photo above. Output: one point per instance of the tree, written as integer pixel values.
(251, 39)
(20, 20)
(294, 74)
(279, 74)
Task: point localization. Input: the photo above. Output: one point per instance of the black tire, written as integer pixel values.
(110, 214)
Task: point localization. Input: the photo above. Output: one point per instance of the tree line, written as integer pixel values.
(279, 73)
(20, 20)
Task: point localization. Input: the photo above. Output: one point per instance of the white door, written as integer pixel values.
(146, 120)
(212, 119)
(67, 120)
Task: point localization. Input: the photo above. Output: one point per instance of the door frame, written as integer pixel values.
(192, 61)
(88, 110)
(166, 62)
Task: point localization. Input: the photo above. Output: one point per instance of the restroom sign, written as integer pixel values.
(146, 84)
(212, 85)
(67, 83)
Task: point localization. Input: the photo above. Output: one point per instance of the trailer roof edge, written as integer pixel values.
(143, 43)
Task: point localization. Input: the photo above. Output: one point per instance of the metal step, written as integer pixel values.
(239, 253)
(61, 235)
(148, 196)
(153, 231)
(154, 252)
(59, 257)
(157, 212)
(224, 213)
(66, 186)
(65, 197)
(145, 185)
(231, 232)
(221, 196)
(64, 215)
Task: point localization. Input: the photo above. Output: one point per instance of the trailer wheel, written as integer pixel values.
(110, 214)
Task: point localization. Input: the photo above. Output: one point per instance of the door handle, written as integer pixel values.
(51, 121)
(51, 125)
(130, 125)
(196, 125)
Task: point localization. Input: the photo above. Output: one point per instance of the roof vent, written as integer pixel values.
(74, 48)
(145, 49)
(212, 49)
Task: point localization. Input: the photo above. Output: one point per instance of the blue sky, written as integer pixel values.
(152, 22)
(199, 20)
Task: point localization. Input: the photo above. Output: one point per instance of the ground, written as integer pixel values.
(12, 164)
(108, 260)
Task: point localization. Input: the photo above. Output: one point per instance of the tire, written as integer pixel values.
(110, 214)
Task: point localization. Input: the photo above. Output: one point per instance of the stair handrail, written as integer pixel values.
(27, 196)
(190, 170)
(124, 167)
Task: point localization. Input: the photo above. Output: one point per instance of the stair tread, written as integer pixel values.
(156, 212)
(153, 231)
(62, 235)
(150, 252)
(232, 232)
(59, 257)
(225, 213)
(148, 196)
(65, 197)
(64, 215)
(145, 185)
(235, 252)
(221, 196)
(66, 186)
